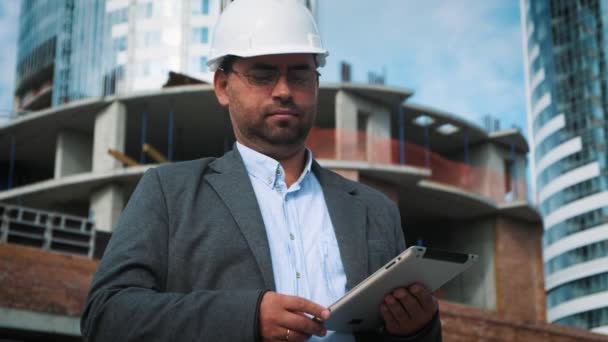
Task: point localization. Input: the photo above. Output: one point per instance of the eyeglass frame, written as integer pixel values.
(277, 75)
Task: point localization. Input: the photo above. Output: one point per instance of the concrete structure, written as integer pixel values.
(457, 187)
(566, 81)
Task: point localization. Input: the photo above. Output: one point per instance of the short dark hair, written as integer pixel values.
(227, 63)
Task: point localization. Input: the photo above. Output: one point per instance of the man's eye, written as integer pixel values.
(262, 76)
(300, 76)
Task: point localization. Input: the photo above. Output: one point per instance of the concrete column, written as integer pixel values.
(72, 153)
(106, 205)
(373, 144)
(346, 126)
(379, 136)
(475, 287)
(110, 131)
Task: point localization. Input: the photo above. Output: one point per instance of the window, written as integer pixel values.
(200, 35)
(200, 7)
(148, 38)
(144, 10)
(120, 44)
(586, 320)
(509, 173)
(143, 69)
(203, 64)
(119, 16)
(198, 64)
(583, 254)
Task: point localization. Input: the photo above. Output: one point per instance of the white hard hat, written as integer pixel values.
(250, 28)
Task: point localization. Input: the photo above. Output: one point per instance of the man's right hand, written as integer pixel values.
(284, 318)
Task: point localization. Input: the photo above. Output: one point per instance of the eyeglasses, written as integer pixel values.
(266, 78)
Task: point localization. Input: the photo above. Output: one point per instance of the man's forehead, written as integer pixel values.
(293, 59)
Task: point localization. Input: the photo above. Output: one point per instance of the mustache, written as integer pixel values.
(291, 109)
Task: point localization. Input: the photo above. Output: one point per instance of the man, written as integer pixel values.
(249, 246)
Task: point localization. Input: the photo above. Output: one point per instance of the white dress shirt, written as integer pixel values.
(305, 256)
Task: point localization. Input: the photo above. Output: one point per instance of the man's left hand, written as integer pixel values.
(408, 309)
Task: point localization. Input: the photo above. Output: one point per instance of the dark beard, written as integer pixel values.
(282, 134)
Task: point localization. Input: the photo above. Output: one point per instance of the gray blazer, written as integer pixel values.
(189, 258)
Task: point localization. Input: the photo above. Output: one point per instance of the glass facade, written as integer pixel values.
(567, 79)
(58, 52)
(39, 29)
(587, 320)
(575, 256)
(578, 288)
(85, 59)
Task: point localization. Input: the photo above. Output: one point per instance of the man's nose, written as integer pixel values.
(281, 88)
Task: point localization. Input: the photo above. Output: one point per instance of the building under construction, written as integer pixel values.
(68, 171)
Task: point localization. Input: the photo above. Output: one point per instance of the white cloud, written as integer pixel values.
(9, 16)
(461, 56)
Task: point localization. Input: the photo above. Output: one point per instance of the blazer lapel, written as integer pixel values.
(232, 184)
(349, 218)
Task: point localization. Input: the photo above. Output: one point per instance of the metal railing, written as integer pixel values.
(47, 230)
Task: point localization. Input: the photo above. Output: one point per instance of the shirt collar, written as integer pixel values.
(267, 169)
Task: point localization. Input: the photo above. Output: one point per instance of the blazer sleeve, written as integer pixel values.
(128, 300)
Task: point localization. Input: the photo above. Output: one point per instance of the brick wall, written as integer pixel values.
(466, 324)
(519, 270)
(38, 280)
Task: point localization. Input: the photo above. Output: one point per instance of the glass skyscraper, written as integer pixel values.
(565, 48)
(57, 55)
(74, 49)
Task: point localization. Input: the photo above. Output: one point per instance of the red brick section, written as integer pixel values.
(519, 270)
(461, 323)
(38, 280)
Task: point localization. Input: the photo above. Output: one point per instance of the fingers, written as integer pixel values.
(406, 310)
(278, 313)
(391, 323)
(298, 304)
(283, 334)
(409, 302)
(303, 324)
(425, 298)
(402, 305)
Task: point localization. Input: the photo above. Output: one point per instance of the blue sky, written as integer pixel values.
(461, 56)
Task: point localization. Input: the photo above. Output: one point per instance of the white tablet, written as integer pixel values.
(359, 309)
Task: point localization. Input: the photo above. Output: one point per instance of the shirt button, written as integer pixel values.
(291, 236)
(298, 275)
(269, 180)
(278, 172)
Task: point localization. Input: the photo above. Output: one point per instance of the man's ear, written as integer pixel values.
(220, 84)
